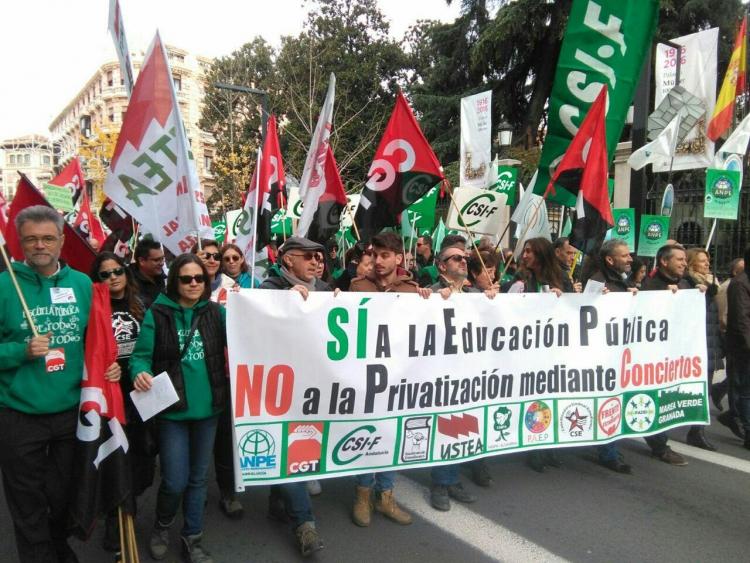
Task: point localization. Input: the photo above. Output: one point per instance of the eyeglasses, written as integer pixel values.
(231, 258)
(309, 255)
(214, 255)
(106, 274)
(47, 240)
(187, 280)
(455, 258)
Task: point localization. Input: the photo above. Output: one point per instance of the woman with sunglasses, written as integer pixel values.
(219, 283)
(233, 265)
(127, 316)
(184, 335)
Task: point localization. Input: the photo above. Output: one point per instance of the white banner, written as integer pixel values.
(697, 76)
(117, 29)
(481, 211)
(476, 140)
(339, 385)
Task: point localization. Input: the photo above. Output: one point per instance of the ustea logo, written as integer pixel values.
(304, 447)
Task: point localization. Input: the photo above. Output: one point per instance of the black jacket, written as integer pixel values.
(612, 280)
(660, 281)
(148, 290)
(277, 282)
(714, 346)
(738, 315)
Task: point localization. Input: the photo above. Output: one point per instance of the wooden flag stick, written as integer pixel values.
(134, 557)
(354, 224)
(12, 274)
(121, 526)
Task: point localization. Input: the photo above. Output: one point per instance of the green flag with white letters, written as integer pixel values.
(606, 42)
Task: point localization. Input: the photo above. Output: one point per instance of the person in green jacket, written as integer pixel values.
(40, 385)
(184, 335)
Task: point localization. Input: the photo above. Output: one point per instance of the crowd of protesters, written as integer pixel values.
(172, 319)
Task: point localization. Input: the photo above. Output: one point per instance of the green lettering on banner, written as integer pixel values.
(653, 235)
(220, 230)
(722, 200)
(605, 43)
(59, 197)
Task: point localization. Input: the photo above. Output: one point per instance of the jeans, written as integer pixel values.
(741, 379)
(36, 457)
(608, 452)
(445, 475)
(185, 453)
(224, 452)
(382, 481)
(658, 443)
(296, 501)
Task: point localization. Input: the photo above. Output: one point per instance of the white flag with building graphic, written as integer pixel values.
(476, 125)
(152, 174)
(661, 150)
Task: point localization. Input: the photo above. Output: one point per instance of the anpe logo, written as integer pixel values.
(478, 208)
(304, 447)
(722, 188)
(359, 442)
(653, 231)
(623, 225)
(257, 450)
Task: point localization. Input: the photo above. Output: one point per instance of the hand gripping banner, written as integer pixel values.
(363, 382)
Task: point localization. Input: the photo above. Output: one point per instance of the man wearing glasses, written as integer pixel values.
(40, 385)
(148, 270)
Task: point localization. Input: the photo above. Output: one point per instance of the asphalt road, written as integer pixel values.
(580, 512)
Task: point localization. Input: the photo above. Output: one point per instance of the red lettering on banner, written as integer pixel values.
(280, 388)
(248, 392)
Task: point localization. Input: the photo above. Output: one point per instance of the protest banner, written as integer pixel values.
(504, 179)
(722, 199)
(479, 211)
(653, 235)
(373, 382)
(476, 141)
(59, 197)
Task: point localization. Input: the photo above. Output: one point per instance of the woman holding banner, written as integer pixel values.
(184, 335)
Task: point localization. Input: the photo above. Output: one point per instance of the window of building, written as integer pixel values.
(27, 159)
(177, 83)
(46, 160)
(122, 116)
(12, 159)
(208, 161)
(110, 79)
(111, 117)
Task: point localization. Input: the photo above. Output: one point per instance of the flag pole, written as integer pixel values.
(354, 224)
(255, 216)
(468, 232)
(506, 262)
(711, 235)
(12, 274)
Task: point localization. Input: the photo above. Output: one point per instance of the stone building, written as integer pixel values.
(30, 154)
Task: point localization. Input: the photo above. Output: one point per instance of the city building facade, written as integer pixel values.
(30, 154)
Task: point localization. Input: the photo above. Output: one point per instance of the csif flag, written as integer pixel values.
(332, 201)
(733, 86)
(75, 251)
(583, 172)
(152, 175)
(87, 224)
(101, 462)
(404, 170)
(71, 177)
(312, 184)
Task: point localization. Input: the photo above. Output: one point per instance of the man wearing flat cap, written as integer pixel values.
(298, 262)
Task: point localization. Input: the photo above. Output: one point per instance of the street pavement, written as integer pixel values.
(580, 512)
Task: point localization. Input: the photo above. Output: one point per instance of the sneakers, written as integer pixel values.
(480, 473)
(231, 507)
(158, 543)
(308, 539)
(440, 496)
(362, 510)
(386, 505)
(672, 457)
(193, 551)
(314, 488)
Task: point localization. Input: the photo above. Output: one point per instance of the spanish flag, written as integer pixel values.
(734, 84)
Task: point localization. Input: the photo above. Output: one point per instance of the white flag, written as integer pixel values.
(660, 149)
(530, 216)
(313, 182)
(737, 141)
(117, 29)
(476, 142)
(152, 175)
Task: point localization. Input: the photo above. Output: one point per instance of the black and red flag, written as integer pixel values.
(404, 169)
(71, 177)
(583, 171)
(120, 223)
(327, 218)
(76, 252)
(86, 223)
(101, 461)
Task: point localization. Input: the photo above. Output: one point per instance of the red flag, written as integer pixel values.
(4, 209)
(584, 171)
(332, 201)
(75, 252)
(404, 169)
(88, 225)
(101, 462)
(71, 177)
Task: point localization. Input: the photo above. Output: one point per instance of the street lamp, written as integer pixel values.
(504, 135)
(247, 90)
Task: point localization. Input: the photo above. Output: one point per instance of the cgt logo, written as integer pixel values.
(479, 208)
(257, 450)
(304, 447)
(357, 443)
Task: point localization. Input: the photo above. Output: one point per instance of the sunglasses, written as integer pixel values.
(214, 255)
(309, 255)
(106, 274)
(456, 258)
(232, 258)
(187, 280)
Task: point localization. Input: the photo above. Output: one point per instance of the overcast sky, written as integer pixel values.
(50, 48)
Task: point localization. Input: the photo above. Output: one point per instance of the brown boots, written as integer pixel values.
(384, 503)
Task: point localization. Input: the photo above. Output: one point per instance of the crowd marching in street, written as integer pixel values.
(171, 318)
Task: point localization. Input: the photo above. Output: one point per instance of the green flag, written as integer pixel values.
(722, 194)
(437, 236)
(606, 42)
(220, 231)
(624, 228)
(653, 235)
(505, 180)
(421, 213)
(281, 224)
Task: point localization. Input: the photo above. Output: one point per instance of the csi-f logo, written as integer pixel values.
(355, 444)
(477, 209)
(654, 231)
(623, 225)
(257, 450)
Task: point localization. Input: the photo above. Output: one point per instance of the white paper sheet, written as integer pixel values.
(161, 395)
(593, 286)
